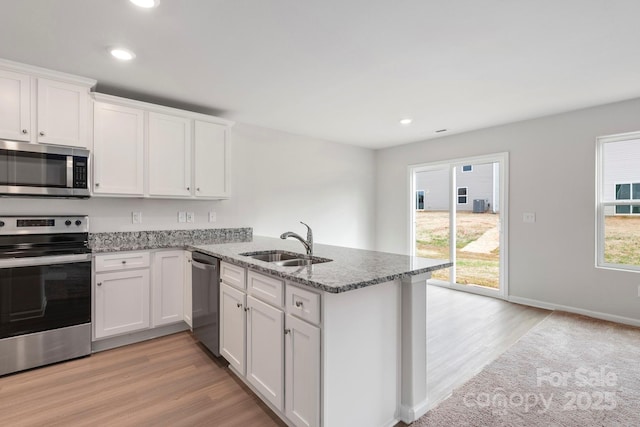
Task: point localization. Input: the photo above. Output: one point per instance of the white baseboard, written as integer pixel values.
(408, 415)
(589, 313)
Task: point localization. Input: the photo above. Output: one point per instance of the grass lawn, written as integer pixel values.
(622, 240)
(432, 241)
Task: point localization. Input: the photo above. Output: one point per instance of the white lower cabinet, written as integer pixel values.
(302, 372)
(168, 287)
(265, 350)
(139, 290)
(121, 302)
(233, 323)
(279, 342)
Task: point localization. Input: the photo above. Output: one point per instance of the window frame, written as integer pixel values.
(423, 194)
(465, 195)
(602, 204)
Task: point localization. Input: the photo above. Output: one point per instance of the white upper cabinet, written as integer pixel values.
(63, 113)
(149, 150)
(15, 98)
(210, 160)
(169, 155)
(118, 150)
(44, 106)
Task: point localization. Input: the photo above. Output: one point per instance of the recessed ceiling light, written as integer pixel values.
(147, 4)
(122, 53)
(406, 122)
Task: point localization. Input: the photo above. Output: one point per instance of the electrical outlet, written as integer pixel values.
(182, 217)
(529, 217)
(136, 217)
(190, 216)
(639, 290)
(212, 216)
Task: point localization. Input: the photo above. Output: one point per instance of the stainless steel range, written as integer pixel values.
(45, 290)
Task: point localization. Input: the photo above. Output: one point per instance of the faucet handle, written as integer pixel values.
(309, 234)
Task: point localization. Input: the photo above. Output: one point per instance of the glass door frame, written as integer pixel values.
(503, 160)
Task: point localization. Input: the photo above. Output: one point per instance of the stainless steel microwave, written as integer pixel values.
(43, 170)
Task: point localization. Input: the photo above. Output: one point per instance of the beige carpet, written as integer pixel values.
(569, 370)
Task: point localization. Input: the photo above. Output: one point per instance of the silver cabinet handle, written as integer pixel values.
(124, 262)
(41, 133)
(97, 184)
(247, 309)
(286, 331)
(239, 305)
(188, 188)
(24, 131)
(99, 283)
(298, 303)
(197, 188)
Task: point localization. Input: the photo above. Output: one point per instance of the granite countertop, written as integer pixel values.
(350, 269)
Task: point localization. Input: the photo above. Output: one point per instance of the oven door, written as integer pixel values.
(44, 293)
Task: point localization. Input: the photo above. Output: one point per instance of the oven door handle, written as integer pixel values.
(44, 260)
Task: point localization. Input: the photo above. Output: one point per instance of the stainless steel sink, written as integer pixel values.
(284, 258)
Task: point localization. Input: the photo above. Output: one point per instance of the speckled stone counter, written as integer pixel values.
(141, 240)
(350, 268)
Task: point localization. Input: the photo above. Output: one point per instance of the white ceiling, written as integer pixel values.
(343, 70)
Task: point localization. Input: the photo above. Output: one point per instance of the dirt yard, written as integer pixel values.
(432, 241)
(622, 240)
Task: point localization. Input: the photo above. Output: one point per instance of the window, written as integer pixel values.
(628, 192)
(618, 197)
(420, 200)
(467, 168)
(462, 195)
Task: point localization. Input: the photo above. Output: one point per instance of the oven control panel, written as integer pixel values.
(44, 225)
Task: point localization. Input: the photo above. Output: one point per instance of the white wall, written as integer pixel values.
(552, 173)
(278, 179)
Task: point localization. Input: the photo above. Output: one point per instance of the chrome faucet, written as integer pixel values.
(308, 244)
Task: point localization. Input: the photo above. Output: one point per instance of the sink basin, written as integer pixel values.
(272, 256)
(284, 258)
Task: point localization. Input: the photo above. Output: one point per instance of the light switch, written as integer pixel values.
(212, 216)
(136, 217)
(190, 216)
(529, 217)
(182, 217)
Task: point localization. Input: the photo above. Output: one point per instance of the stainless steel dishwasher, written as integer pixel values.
(205, 283)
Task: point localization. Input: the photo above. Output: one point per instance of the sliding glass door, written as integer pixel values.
(458, 213)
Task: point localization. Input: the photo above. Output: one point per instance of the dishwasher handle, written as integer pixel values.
(203, 266)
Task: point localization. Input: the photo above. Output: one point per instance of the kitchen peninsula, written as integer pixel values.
(366, 312)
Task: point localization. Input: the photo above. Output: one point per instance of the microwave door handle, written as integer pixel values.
(44, 260)
(69, 171)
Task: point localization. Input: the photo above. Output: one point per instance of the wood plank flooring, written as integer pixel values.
(171, 381)
(465, 332)
(168, 381)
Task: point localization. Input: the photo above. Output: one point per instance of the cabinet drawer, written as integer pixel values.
(233, 275)
(303, 304)
(122, 261)
(265, 288)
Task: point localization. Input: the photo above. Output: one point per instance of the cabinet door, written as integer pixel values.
(118, 143)
(210, 160)
(63, 113)
(265, 350)
(122, 302)
(188, 305)
(15, 114)
(302, 361)
(233, 322)
(168, 287)
(169, 155)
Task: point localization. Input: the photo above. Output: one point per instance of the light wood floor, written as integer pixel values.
(465, 332)
(171, 381)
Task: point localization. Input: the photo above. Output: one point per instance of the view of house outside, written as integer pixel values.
(621, 182)
(477, 219)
